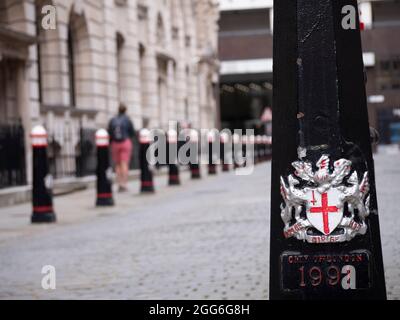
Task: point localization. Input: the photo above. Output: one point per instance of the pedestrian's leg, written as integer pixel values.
(124, 174)
(126, 154)
(118, 172)
(117, 161)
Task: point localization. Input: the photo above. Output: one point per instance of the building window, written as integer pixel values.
(142, 12)
(389, 74)
(188, 41)
(245, 23)
(79, 61)
(121, 3)
(39, 54)
(143, 78)
(160, 32)
(386, 13)
(175, 33)
(120, 45)
(71, 67)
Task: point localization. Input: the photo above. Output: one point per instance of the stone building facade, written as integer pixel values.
(156, 56)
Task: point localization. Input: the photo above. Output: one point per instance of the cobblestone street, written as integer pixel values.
(203, 240)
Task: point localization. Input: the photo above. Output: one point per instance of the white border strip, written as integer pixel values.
(230, 5)
(265, 65)
(246, 66)
(369, 59)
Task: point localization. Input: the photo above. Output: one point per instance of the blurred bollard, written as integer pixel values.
(224, 151)
(103, 171)
(244, 141)
(42, 197)
(236, 150)
(212, 167)
(146, 175)
(173, 179)
(264, 142)
(268, 148)
(374, 134)
(195, 165)
(258, 149)
(251, 141)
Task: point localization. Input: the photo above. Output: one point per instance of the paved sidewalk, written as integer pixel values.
(206, 239)
(388, 187)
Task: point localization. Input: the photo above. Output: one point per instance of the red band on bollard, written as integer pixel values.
(173, 177)
(40, 145)
(43, 209)
(104, 195)
(147, 183)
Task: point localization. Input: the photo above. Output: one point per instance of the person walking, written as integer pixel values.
(121, 132)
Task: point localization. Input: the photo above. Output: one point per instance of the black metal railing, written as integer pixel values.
(72, 154)
(86, 159)
(12, 155)
(134, 163)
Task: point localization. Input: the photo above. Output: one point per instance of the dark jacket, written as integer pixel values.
(121, 128)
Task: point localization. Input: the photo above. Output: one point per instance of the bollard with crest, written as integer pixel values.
(42, 196)
(103, 171)
(325, 237)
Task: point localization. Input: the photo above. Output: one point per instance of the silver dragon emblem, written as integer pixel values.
(326, 205)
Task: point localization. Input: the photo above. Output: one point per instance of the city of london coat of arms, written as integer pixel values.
(326, 205)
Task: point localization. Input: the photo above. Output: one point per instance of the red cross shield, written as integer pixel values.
(324, 210)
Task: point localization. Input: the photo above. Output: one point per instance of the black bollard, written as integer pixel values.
(146, 175)
(251, 141)
(173, 176)
(263, 147)
(258, 150)
(224, 151)
(103, 171)
(212, 167)
(195, 165)
(42, 197)
(268, 148)
(244, 140)
(236, 150)
(325, 237)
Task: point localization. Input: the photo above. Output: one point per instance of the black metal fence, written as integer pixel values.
(72, 154)
(12, 155)
(86, 158)
(134, 164)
